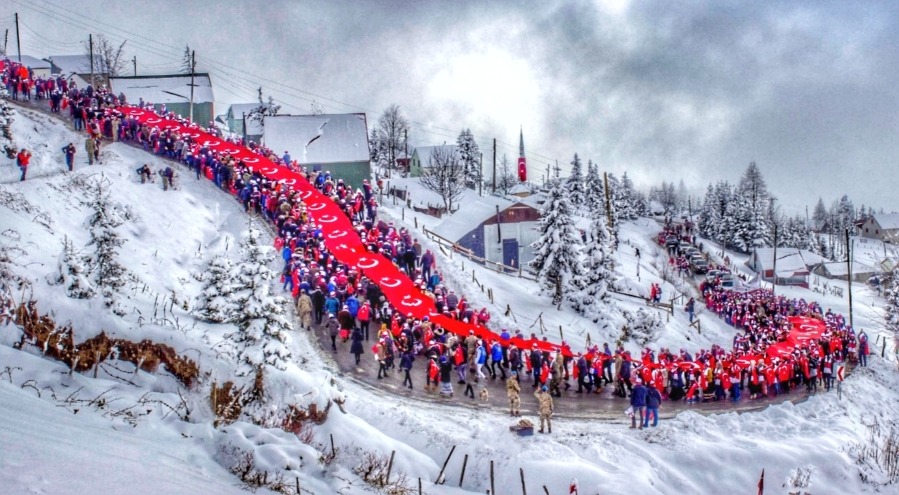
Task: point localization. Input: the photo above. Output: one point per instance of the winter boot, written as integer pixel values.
(550, 429)
(540, 430)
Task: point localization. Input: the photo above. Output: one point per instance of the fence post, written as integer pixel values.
(298, 485)
(462, 476)
(883, 348)
(390, 467)
(333, 451)
(561, 336)
(444, 465)
(524, 490)
(492, 489)
(589, 343)
(416, 222)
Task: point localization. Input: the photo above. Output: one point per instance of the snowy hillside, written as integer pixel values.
(74, 433)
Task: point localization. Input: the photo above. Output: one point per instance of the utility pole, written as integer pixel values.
(193, 70)
(849, 266)
(494, 164)
(90, 42)
(18, 43)
(605, 179)
(5, 41)
(134, 60)
(481, 175)
(774, 267)
(406, 142)
(547, 175)
(244, 126)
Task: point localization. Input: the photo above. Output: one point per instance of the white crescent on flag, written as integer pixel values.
(269, 171)
(366, 263)
(336, 234)
(316, 206)
(250, 160)
(327, 219)
(410, 302)
(390, 282)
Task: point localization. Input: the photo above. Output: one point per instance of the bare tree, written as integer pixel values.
(393, 130)
(109, 59)
(265, 109)
(445, 175)
(506, 178)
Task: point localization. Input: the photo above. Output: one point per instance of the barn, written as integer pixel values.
(494, 228)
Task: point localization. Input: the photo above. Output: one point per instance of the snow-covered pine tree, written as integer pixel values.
(217, 304)
(752, 224)
(470, 154)
(819, 216)
(708, 214)
(575, 183)
(6, 118)
(629, 202)
(558, 249)
(595, 191)
(619, 202)
(262, 328)
(599, 271)
(74, 272)
(108, 274)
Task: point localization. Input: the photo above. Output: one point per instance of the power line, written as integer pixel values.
(157, 51)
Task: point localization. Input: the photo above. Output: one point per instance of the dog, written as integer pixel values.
(484, 395)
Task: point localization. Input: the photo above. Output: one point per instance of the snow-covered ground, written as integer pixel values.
(171, 236)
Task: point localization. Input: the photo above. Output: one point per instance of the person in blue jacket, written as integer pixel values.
(352, 305)
(653, 401)
(496, 360)
(638, 403)
(406, 360)
(332, 304)
(481, 359)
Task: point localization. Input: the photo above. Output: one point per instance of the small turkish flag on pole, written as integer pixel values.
(762, 483)
(573, 487)
(522, 170)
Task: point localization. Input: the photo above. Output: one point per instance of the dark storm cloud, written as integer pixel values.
(664, 90)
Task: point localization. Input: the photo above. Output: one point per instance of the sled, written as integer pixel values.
(522, 431)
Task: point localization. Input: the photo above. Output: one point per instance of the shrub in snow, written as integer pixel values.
(557, 251)
(108, 273)
(643, 326)
(216, 303)
(73, 273)
(262, 336)
(6, 118)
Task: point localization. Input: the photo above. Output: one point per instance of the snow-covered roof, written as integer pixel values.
(164, 89)
(424, 152)
(473, 212)
(326, 138)
(789, 260)
(887, 221)
(839, 268)
(68, 64)
(32, 62)
(520, 189)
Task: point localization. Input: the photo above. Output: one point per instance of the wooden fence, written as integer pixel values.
(468, 253)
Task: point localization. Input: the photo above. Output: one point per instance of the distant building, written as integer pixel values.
(421, 158)
(838, 270)
(238, 114)
(793, 265)
(173, 91)
(337, 143)
(495, 229)
(39, 68)
(76, 68)
(884, 227)
(520, 190)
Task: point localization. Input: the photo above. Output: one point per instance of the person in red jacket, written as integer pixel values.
(22, 160)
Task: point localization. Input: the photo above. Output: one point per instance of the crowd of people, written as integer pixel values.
(340, 300)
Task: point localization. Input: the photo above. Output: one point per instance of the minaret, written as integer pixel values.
(522, 163)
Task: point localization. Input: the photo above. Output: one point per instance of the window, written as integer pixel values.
(866, 230)
(876, 231)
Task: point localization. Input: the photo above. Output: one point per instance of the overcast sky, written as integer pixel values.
(663, 90)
